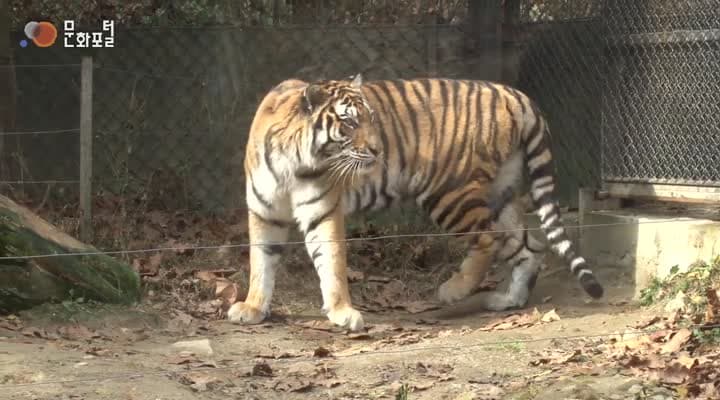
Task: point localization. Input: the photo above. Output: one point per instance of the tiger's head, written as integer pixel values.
(343, 138)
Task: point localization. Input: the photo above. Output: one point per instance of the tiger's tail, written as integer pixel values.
(539, 163)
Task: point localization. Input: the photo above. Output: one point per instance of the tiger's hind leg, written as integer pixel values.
(461, 211)
(521, 252)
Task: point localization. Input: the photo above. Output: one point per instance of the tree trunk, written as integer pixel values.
(27, 282)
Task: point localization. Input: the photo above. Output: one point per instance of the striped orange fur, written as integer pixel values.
(320, 150)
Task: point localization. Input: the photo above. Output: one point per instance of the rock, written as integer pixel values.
(467, 396)
(635, 389)
(201, 346)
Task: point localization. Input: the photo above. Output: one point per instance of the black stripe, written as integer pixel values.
(309, 173)
(513, 123)
(411, 115)
(316, 254)
(268, 150)
(532, 281)
(578, 267)
(270, 221)
(481, 174)
(316, 198)
(373, 199)
(518, 97)
(438, 134)
(314, 223)
(526, 240)
(541, 146)
(514, 253)
(272, 249)
(433, 134)
(553, 211)
(397, 130)
(262, 200)
(466, 132)
(547, 197)
(542, 171)
(281, 103)
(450, 156)
(479, 149)
(494, 130)
(453, 206)
(468, 206)
(383, 138)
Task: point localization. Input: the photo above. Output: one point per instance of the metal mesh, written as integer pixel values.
(661, 103)
(172, 128)
(630, 89)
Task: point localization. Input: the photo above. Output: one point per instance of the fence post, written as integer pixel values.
(86, 142)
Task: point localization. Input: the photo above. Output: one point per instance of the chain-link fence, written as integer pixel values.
(661, 92)
(630, 89)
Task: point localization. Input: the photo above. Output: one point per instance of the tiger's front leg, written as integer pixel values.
(265, 253)
(323, 224)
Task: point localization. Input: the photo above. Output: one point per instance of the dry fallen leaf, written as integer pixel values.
(648, 322)
(262, 369)
(321, 352)
(199, 381)
(677, 341)
(550, 316)
(415, 307)
(229, 293)
(355, 276)
(148, 267)
(293, 384)
(513, 321)
(712, 309)
(557, 357)
(319, 325)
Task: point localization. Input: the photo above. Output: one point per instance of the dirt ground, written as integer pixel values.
(177, 345)
(101, 352)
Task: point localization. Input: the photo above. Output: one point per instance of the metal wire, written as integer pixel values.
(38, 65)
(103, 377)
(71, 130)
(355, 239)
(48, 182)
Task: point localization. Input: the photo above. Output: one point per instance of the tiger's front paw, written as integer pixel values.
(245, 314)
(454, 289)
(347, 317)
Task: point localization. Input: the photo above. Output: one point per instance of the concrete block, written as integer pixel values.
(647, 244)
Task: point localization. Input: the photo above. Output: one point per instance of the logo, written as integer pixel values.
(43, 34)
(104, 38)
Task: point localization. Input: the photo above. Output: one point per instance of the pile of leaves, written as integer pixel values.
(679, 350)
(691, 285)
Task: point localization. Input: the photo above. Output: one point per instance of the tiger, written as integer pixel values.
(319, 151)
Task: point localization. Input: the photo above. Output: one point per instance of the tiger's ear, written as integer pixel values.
(314, 96)
(357, 81)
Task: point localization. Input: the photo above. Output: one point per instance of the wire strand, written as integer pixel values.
(201, 78)
(246, 362)
(302, 242)
(37, 182)
(71, 130)
(38, 65)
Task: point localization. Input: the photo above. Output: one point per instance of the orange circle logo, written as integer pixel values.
(43, 33)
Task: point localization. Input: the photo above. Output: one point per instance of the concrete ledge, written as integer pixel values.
(648, 245)
(639, 243)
